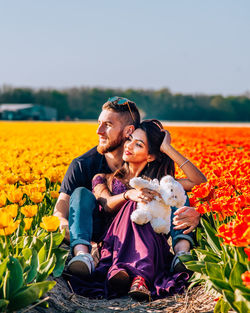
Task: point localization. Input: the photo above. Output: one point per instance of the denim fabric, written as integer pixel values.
(86, 222)
(178, 234)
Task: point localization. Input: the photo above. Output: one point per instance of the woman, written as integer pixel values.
(133, 256)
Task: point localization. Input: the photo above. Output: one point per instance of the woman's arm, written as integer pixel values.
(194, 175)
(112, 204)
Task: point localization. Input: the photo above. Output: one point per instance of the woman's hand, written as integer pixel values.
(143, 195)
(166, 141)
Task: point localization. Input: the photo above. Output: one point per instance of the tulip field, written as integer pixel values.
(34, 157)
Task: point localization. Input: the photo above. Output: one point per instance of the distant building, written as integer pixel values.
(27, 111)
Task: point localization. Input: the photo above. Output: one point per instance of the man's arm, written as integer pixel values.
(186, 217)
(62, 212)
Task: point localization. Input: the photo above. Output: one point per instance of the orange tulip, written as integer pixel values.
(247, 251)
(246, 279)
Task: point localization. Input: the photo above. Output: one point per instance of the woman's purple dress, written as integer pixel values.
(136, 249)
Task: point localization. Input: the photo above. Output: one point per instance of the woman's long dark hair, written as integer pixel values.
(162, 165)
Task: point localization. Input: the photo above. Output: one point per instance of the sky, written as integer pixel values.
(188, 46)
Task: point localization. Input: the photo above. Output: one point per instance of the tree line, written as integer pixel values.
(86, 103)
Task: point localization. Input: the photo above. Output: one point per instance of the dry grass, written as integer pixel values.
(63, 300)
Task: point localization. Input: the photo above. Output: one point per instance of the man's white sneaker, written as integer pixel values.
(81, 265)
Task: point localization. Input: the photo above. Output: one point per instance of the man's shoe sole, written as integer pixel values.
(79, 268)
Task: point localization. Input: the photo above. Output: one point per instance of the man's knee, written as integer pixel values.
(82, 198)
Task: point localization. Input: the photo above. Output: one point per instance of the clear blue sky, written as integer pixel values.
(188, 46)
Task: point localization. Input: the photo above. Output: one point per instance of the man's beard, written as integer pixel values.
(111, 146)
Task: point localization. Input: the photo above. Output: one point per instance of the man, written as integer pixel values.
(76, 206)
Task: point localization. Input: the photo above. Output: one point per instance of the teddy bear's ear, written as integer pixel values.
(167, 179)
(155, 181)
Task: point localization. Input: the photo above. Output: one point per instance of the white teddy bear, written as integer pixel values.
(158, 211)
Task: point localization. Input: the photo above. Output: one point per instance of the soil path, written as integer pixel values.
(62, 300)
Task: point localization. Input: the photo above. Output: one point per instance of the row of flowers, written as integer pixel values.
(222, 259)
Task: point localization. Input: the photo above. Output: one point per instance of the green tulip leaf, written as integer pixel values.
(242, 255)
(36, 244)
(3, 267)
(27, 253)
(207, 256)
(242, 306)
(242, 294)
(235, 276)
(42, 254)
(27, 241)
(229, 296)
(220, 284)
(61, 256)
(23, 262)
(33, 267)
(57, 239)
(214, 270)
(30, 294)
(195, 266)
(222, 306)
(212, 239)
(46, 268)
(227, 270)
(15, 280)
(3, 305)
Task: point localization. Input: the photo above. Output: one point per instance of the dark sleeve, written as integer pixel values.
(75, 177)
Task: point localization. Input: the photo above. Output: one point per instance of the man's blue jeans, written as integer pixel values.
(176, 235)
(87, 223)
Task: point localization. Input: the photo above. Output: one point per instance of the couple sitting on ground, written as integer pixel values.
(134, 258)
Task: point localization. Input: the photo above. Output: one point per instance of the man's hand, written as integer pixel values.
(62, 212)
(186, 217)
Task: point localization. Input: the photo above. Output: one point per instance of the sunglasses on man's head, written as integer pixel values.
(123, 101)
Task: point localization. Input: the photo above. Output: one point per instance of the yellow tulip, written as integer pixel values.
(12, 209)
(54, 194)
(36, 197)
(29, 210)
(5, 219)
(20, 203)
(12, 178)
(3, 199)
(10, 229)
(50, 223)
(28, 222)
(15, 195)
